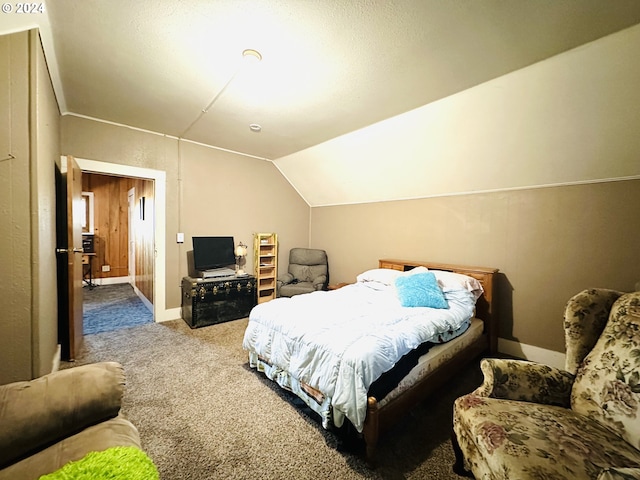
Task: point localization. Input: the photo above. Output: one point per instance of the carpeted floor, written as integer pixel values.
(111, 307)
(204, 414)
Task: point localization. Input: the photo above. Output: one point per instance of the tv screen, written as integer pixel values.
(213, 252)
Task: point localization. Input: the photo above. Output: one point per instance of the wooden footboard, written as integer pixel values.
(380, 419)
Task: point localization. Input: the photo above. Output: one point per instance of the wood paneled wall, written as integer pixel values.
(144, 237)
(111, 222)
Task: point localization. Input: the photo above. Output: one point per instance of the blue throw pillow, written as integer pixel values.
(420, 290)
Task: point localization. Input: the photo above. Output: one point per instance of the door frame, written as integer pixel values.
(69, 265)
(160, 312)
(131, 245)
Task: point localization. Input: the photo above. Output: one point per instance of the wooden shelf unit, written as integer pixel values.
(265, 257)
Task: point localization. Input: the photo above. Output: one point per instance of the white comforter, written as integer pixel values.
(341, 341)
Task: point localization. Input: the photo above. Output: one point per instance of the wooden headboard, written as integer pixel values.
(485, 306)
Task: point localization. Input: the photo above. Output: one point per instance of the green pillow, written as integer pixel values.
(420, 290)
(115, 463)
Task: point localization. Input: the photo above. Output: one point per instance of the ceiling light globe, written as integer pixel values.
(251, 55)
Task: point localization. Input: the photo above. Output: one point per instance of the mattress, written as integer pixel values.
(436, 356)
(321, 404)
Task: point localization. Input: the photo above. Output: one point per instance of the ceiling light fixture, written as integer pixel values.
(252, 55)
(254, 127)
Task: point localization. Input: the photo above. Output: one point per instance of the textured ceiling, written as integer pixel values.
(329, 67)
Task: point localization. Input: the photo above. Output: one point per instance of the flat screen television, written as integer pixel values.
(213, 252)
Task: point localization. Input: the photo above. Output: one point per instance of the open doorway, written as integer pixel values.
(155, 225)
(118, 290)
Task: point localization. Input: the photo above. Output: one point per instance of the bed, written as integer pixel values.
(366, 353)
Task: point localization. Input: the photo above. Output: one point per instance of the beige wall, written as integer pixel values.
(15, 253)
(548, 243)
(229, 194)
(29, 132)
(208, 191)
(46, 115)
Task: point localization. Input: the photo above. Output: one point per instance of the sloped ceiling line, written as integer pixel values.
(330, 69)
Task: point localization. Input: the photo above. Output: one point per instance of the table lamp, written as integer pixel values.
(241, 252)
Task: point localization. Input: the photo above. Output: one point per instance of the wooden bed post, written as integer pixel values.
(370, 429)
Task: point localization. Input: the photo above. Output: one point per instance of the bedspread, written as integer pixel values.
(341, 341)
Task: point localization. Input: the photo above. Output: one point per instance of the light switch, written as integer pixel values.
(180, 237)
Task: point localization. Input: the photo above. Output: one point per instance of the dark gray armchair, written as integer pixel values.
(308, 272)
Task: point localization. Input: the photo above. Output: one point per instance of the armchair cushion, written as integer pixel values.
(306, 273)
(61, 417)
(507, 439)
(39, 412)
(113, 463)
(284, 279)
(116, 431)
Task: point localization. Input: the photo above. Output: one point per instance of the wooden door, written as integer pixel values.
(69, 236)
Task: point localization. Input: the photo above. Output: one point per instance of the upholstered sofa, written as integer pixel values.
(532, 421)
(308, 271)
(58, 418)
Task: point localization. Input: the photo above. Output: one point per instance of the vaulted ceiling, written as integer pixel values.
(328, 67)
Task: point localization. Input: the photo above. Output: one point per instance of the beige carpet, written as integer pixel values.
(203, 414)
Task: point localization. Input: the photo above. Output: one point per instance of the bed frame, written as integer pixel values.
(380, 419)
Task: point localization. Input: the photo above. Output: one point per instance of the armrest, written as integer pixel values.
(319, 282)
(285, 278)
(37, 413)
(619, 474)
(525, 381)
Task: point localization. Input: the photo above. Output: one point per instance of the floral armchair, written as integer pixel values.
(532, 421)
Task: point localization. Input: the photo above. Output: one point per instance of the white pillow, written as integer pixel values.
(448, 281)
(456, 281)
(385, 276)
(416, 270)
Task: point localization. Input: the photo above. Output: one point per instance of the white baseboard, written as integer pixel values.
(110, 280)
(55, 364)
(144, 299)
(530, 352)
(168, 314)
